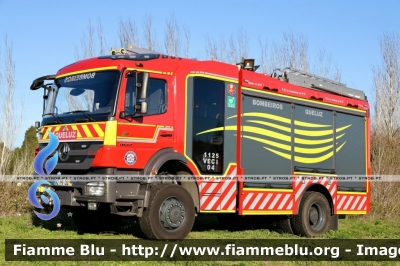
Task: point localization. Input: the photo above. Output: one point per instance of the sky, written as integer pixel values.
(43, 33)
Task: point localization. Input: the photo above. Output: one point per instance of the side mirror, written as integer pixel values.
(39, 82)
(36, 84)
(142, 81)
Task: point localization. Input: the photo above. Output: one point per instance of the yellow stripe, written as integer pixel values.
(151, 138)
(268, 190)
(268, 116)
(287, 129)
(305, 159)
(120, 137)
(212, 76)
(266, 132)
(142, 125)
(300, 159)
(217, 129)
(275, 144)
(312, 174)
(313, 160)
(86, 71)
(221, 211)
(351, 193)
(87, 131)
(303, 100)
(351, 212)
(284, 155)
(312, 142)
(317, 159)
(341, 146)
(111, 133)
(266, 212)
(47, 133)
(342, 128)
(338, 137)
(99, 131)
(316, 133)
(74, 127)
(304, 124)
(88, 123)
(271, 134)
(312, 151)
(147, 70)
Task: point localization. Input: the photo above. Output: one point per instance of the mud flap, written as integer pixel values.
(334, 223)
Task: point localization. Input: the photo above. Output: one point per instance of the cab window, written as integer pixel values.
(156, 97)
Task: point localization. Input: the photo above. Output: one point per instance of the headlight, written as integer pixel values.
(95, 188)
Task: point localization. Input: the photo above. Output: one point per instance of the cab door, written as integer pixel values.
(140, 136)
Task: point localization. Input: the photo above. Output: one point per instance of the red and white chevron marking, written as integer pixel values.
(301, 183)
(267, 201)
(352, 202)
(217, 194)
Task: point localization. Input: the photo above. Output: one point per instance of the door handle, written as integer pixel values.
(218, 140)
(165, 135)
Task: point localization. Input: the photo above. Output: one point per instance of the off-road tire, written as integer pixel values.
(314, 215)
(156, 213)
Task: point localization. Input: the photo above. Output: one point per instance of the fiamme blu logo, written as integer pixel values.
(44, 164)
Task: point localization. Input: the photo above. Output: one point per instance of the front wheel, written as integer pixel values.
(314, 215)
(170, 214)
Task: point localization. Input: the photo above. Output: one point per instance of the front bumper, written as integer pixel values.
(118, 194)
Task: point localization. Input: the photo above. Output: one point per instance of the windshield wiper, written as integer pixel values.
(85, 112)
(57, 121)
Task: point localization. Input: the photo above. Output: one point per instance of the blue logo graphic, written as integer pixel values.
(49, 165)
(36, 203)
(44, 153)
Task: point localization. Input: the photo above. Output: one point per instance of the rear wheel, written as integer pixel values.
(170, 214)
(314, 215)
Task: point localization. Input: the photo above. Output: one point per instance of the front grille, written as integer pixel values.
(80, 155)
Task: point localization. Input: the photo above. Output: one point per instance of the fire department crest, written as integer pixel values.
(130, 158)
(231, 89)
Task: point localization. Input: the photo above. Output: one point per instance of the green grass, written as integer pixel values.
(206, 227)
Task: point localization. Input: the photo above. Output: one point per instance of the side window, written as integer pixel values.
(156, 96)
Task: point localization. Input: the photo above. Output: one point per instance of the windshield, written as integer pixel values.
(92, 92)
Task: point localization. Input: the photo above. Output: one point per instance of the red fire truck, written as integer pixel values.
(285, 146)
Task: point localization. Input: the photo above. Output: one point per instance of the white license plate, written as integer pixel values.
(60, 182)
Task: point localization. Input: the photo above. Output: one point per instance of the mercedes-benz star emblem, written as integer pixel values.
(63, 152)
